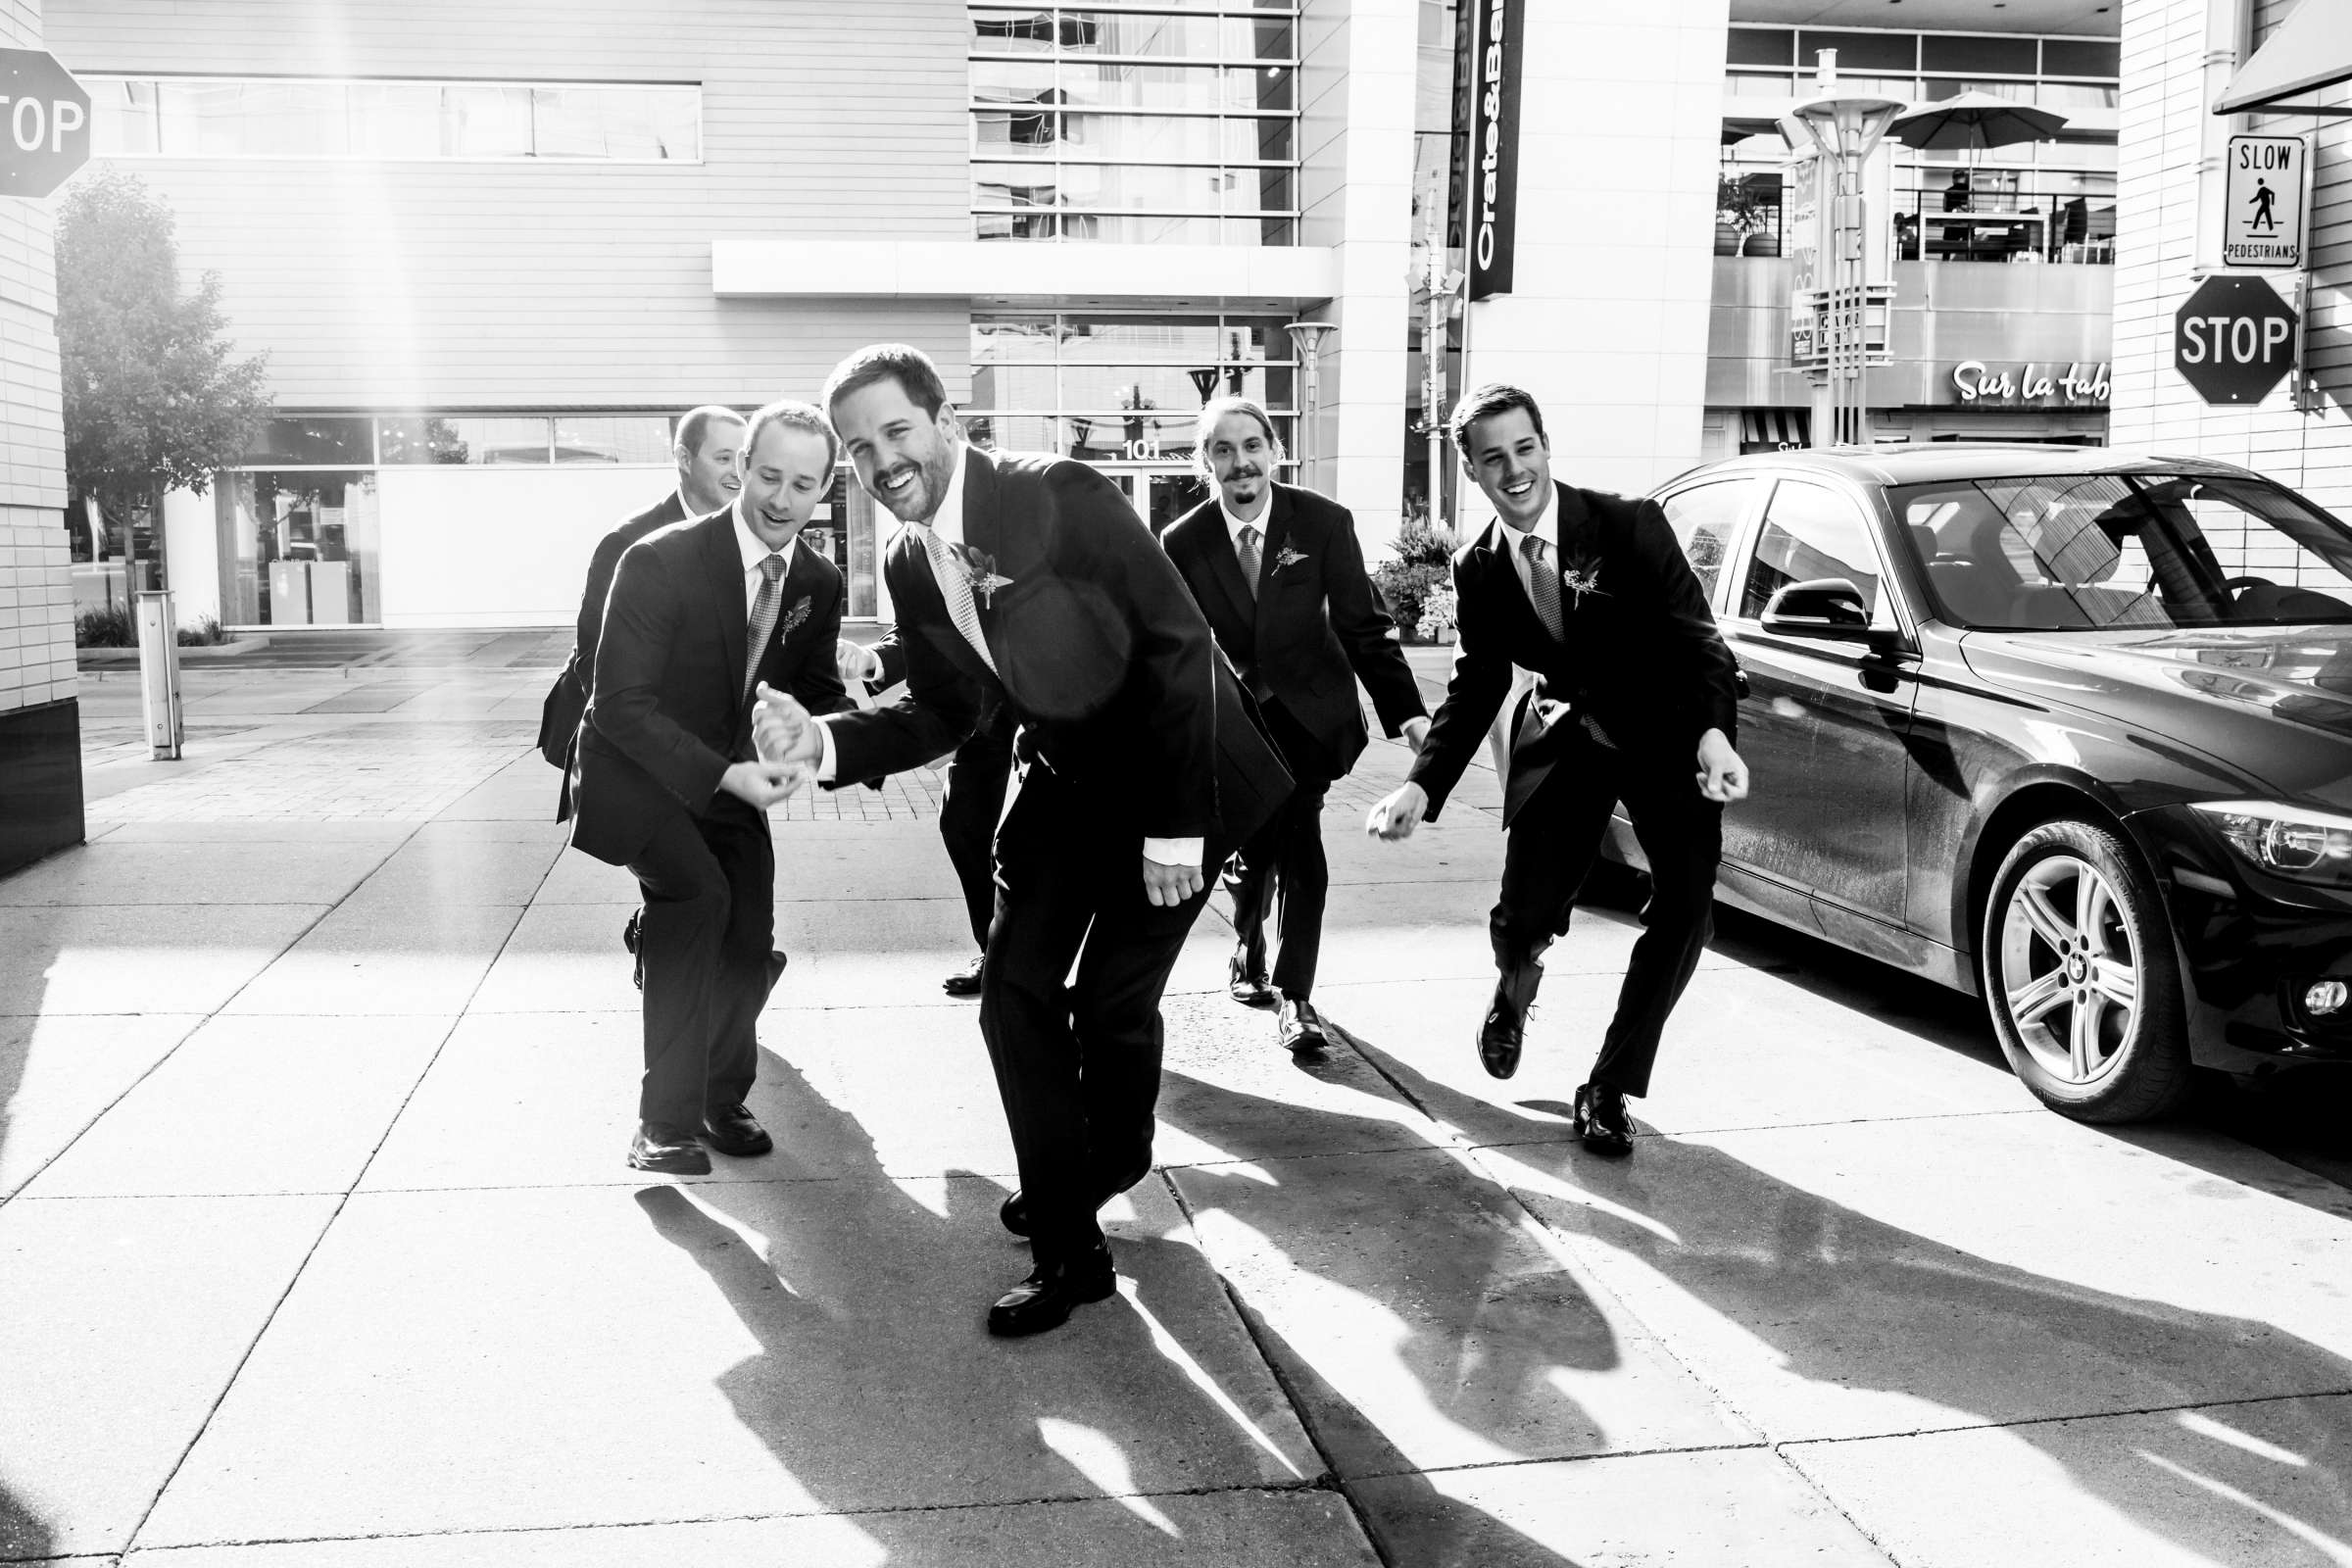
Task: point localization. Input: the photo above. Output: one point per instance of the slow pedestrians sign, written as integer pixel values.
(2233, 339)
(45, 122)
(2262, 213)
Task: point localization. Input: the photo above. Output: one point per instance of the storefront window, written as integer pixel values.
(298, 548)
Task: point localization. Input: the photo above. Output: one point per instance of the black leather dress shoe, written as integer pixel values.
(1245, 982)
(1499, 1037)
(1013, 1213)
(671, 1151)
(1299, 1028)
(629, 940)
(735, 1131)
(965, 982)
(1601, 1121)
(1053, 1291)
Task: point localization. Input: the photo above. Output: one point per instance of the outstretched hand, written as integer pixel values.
(1396, 816)
(782, 729)
(855, 662)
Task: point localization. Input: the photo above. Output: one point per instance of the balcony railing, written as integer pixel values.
(1943, 223)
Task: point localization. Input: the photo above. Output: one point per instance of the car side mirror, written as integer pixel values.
(1830, 609)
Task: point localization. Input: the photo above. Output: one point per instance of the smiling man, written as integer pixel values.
(1279, 573)
(1029, 582)
(1632, 703)
(701, 614)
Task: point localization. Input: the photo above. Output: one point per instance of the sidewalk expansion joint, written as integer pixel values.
(2175, 1408)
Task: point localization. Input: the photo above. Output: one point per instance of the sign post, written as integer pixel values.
(45, 122)
(1487, 116)
(2233, 339)
(2262, 208)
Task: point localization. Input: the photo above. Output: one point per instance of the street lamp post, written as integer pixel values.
(1440, 287)
(1845, 130)
(1307, 338)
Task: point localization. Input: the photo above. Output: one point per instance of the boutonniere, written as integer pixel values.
(980, 570)
(1582, 577)
(1287, 557)
(793, 618)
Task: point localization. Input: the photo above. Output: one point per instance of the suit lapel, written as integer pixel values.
(1278, 537)
(724, 563)
(1498, 544)
(1211, 544)
(982, 532)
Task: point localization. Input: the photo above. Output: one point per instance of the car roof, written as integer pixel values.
(1945, 460)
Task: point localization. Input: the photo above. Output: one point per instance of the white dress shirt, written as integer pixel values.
(948, 523)
(1547, 529)
(755, 551)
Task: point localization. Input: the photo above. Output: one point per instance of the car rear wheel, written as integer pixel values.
(2080, 979)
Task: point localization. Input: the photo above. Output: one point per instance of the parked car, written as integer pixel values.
(2065, 728)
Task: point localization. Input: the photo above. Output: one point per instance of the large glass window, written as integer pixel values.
(1703, 518)
(1174, 125)
(1121, 388)
(298, 548)
(211, 116)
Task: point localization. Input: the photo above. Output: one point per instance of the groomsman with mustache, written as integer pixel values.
(702, 615)
(1279, 573)
(1029, 580)
(1632, 703)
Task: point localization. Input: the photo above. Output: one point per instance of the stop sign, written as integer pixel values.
(2234, 339)
(45, 122)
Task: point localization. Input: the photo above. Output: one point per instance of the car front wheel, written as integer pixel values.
(2080, 979)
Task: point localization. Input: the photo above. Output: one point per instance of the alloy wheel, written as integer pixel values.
(2070, 968)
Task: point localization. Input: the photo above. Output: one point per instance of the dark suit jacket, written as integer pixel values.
(1101, 657)
(891, 651)
(567, 699)
(1311, 630)
(1640, 653)
(665, 714)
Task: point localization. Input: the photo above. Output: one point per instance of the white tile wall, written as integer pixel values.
(36, 599)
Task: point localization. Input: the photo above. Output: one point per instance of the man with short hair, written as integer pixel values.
(1634, 703)
(1279, 573)
(702, 616)
(1031, 580)
(708, 453)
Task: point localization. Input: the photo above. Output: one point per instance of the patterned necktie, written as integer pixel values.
(1246, 546)
(956, 587)
(1542, 586)
(763, 618)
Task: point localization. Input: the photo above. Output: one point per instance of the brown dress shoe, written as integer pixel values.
(1053, 1291)
(669, 1150)
(735, 1131)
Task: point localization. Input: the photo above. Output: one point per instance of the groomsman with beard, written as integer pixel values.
(1279, 573)
(1632, 703)
(702, 615)
(1029, 580)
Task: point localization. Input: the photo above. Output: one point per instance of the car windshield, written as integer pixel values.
(2094, 551)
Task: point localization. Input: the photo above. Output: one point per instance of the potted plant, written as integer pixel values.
(1739, 213)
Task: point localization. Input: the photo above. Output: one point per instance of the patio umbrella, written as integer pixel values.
(1971, 121)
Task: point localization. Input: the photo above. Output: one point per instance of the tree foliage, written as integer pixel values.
(154, 397)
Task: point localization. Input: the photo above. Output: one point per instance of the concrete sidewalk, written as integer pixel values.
(316, 1246)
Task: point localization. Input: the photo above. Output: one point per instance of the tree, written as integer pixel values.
(154, 398)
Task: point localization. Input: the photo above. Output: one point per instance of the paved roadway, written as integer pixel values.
(317, 1247)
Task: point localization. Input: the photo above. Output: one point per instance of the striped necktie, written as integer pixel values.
(1246, 546)
(763, 618)
(956, 587)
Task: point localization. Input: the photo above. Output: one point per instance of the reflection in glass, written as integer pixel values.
(122, 119)
(612, 438)
(395, 119)
(430, 439)
(485, 121)
(311, 439)
(298, 549)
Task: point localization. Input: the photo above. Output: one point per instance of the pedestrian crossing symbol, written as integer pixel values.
(2262, 215)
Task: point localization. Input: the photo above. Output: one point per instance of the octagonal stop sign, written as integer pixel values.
(45, 122)
(2234, 339)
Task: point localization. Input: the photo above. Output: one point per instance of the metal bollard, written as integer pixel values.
(158, 672)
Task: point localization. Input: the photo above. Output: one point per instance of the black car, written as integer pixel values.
(2065, 728)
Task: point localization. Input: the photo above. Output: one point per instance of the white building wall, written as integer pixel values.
(36, 594)
(2159, 229)
(1606, 322)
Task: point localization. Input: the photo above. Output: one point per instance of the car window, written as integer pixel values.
(1811, 533)
(2084, 552)
(1703, 518)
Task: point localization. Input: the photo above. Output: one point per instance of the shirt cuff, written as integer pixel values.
(824, 752)
(1169, 851)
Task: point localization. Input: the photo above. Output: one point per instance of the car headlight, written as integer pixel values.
(2292, 841)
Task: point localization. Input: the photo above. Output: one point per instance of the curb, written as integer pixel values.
(88, 657)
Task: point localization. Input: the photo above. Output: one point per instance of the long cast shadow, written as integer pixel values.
(1848, 1301)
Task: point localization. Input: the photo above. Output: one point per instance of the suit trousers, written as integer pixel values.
(1076, 1058)
(1281, 873)
(704, 938)
(968, 821)
(1550, 846)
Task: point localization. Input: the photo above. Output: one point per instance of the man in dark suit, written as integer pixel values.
(708, 453)
(967, 818)
(1279, 573)
(701, 614)
(1633, 701)
(1030, 580)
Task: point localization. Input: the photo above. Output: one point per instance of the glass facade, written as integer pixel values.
(215, 116)
(1136, 125)
(1121, 389)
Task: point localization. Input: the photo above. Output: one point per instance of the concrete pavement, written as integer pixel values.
(317, 1247)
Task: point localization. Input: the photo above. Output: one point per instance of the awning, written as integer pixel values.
(1776, 427)
(2311, 50)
